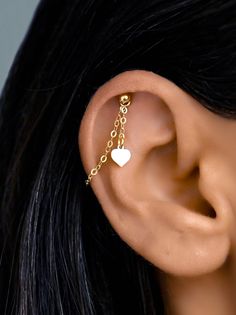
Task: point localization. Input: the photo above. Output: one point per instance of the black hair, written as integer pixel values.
(59, 254)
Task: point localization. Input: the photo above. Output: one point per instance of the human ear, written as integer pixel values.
(161, 203)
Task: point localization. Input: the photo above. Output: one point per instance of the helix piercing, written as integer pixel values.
(120, 155)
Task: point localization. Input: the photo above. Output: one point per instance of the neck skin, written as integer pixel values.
(210, 294)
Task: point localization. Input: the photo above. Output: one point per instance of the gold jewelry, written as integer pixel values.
(120, 155)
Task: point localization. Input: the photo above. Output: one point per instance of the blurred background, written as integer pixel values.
(15, 17)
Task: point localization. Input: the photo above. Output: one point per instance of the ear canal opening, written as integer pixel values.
(209, 210)
(202, 206)
(212, 213)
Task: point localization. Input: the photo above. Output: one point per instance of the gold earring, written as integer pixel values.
(120, 155)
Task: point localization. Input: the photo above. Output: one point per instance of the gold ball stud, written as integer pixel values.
(125, 99)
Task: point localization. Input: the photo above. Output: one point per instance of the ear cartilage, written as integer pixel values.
(120, 155)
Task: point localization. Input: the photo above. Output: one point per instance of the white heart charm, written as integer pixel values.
(120, 156)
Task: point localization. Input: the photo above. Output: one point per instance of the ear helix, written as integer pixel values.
(120, 155)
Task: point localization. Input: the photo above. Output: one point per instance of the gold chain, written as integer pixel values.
(124, 101)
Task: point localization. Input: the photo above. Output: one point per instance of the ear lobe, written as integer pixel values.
(155, 202)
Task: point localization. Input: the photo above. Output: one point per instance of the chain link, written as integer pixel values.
(125, 101)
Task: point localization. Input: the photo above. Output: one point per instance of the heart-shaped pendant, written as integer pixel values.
(120, 156)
